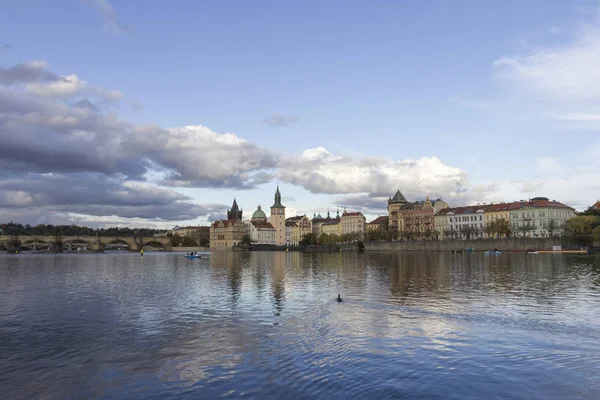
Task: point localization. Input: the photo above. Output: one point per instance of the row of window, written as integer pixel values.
(468, 218)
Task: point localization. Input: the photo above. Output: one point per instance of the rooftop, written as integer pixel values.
(384, 220)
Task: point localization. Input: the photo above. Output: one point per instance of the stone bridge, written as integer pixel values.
(72, 243)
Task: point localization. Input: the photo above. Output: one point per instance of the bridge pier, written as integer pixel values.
(98, 246)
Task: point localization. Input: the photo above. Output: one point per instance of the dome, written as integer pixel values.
(258, 214)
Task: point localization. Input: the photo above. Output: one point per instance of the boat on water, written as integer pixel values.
(492, 252)
(531, 252)
(193, 256)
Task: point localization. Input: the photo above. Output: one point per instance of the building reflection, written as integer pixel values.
(278, 271)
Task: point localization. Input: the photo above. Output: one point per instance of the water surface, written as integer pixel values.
(266, 325)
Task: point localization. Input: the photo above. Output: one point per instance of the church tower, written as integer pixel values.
(234, 213)
(278, 219)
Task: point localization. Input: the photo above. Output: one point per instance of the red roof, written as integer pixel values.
(596, 205)
(380, 221)
(351, 214)
(226, 222)
(515, 205)
(262, 225)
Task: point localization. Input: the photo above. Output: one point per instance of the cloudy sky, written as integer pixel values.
(157, 113)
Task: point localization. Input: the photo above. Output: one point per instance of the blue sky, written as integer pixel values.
(501, 93)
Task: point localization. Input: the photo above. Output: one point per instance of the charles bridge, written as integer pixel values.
(89, 243)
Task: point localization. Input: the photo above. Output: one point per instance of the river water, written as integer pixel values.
(266, 325)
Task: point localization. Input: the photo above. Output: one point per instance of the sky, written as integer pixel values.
(161, 113)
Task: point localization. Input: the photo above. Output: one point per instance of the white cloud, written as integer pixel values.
(561, 72)
(319, 171)
(113, 25)
(66, 87)
(579, 117)
(278, 120)
(548, 164)
(554, 30)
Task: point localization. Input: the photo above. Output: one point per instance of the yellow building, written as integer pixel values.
(494, 212)
(378, 224)
(278, 219)
(226, 234)
(353, 224)
(300, 226)
(332, 228)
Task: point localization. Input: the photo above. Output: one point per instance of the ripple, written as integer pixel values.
(266, 325)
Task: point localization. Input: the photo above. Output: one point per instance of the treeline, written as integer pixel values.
(12, 228)
(584, 228)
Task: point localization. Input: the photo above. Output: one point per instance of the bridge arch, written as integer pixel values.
(154, 244)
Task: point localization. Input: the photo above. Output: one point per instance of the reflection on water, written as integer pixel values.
(266, 324)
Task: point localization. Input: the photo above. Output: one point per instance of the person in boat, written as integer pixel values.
(339, 298)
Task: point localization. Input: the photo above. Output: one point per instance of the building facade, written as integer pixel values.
(333, 227)
(539, 217)
(395, 205)
(226, 234)
(261, 231)
(460, 222)
(298, 227)
(378, 224)
(353, 224)
(318, 221)
(278, 219)
(414, 220)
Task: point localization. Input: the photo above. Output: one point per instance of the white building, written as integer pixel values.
(460, 222)
(261, 231)
(539, 217)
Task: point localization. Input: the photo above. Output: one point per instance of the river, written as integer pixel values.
(266, 325)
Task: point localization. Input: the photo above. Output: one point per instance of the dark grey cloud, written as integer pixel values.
(98, 195)
(47, 134)
(278, 120)
(113, 25)
(32, 71)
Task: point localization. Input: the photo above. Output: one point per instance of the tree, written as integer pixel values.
(308, 239)
(552, 227)
(246, 240)
(188, 241)
(501, 227)
(176, 240)
(468, 231)
(490, 229)
(580, 228)
(596, 234)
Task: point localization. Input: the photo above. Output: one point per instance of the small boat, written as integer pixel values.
(491, 252)
(531, 252)
(193, 257)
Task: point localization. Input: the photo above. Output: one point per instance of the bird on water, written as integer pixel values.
(339, 299)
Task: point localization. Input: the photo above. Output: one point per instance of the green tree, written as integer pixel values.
(596, 234)
(188, 241)
(501, 228)
(308, 239)
(246, 240)
(324, 238)
(580, 228)
(176, 240)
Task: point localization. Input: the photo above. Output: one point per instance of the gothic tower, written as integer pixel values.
(278, 219)
(234, 213)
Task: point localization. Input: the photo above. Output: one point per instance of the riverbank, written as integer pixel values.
(510, 244)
